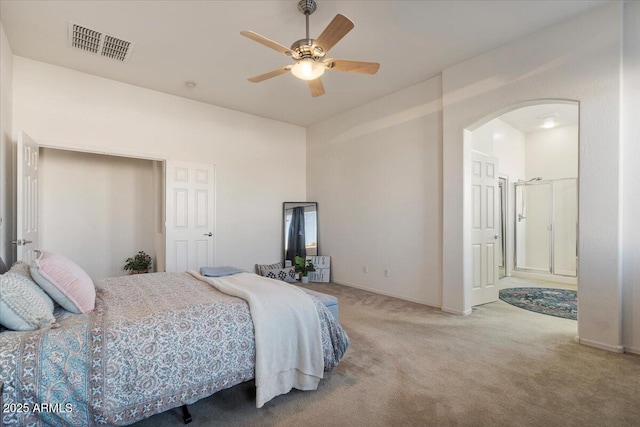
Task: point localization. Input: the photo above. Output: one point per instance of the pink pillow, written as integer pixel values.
(65, 282)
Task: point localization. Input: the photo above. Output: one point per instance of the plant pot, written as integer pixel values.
(305, 279)
(139, 271)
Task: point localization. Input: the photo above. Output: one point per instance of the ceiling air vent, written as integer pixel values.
(99, 43)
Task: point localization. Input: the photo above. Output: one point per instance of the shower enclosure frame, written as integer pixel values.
(552, 228)
(503, 188)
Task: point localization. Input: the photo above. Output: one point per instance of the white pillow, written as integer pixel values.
(263, 268)
(285, 274)
(21, 268)
(23, 305)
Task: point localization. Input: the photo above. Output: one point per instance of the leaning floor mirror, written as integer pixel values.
(300, 230)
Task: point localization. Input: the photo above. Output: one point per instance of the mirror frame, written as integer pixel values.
(284, 227)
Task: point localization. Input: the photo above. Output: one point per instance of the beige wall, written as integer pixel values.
(631, 179)
(376, 173)
(259, 162)
(6, 153)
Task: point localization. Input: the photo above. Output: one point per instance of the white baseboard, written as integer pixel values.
(632, 350)
(458, 312)
(602, 346)
(545, 277)
(389, 294)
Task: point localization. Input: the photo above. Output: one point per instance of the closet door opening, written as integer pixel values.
(99, 210)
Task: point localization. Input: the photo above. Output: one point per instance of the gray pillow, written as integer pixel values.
(24, 306)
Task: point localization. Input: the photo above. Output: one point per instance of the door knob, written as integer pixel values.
(21, 242)
(496, 236)
(208, 234)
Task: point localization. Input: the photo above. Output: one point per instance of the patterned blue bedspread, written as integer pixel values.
(154, 342)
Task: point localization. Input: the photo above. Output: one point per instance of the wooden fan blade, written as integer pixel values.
(268, 43)
(316, 87)
(270, 74)
(336, 30)
(352, 66)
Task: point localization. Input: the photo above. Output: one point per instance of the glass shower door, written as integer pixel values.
(533, 226)
(565, 223)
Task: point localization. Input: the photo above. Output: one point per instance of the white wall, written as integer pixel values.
(106, 203)
(259, 162)
(6, 153)
(631, 179)
(552, 153)
(376, 173)
(580, 60)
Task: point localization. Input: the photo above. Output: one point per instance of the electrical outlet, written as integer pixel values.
(386, 272)
(365, 268)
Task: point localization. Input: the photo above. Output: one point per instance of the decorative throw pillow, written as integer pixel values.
(65, 282)
(285, 274)
(23, 305)
(21, 268)
(263, 268)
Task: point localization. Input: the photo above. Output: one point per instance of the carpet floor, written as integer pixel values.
(411, 365)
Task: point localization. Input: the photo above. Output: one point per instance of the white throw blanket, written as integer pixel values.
(287, 333)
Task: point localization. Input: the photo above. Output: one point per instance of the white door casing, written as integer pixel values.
(190, 216)
(485, 229)
(27, 198)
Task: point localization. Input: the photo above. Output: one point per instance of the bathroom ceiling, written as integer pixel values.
(200, 41)
(530, 119)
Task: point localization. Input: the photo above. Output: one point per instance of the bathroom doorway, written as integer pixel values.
(536, 204)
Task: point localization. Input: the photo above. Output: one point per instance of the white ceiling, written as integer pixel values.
(530, 119)
(176, 41)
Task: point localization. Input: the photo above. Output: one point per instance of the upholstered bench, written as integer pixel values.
(329, 301)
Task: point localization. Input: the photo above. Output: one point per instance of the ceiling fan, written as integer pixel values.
(309, 54)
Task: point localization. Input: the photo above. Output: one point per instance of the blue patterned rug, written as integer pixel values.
(554, 302)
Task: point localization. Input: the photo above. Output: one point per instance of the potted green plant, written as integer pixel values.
(139, 263)
(304, 267)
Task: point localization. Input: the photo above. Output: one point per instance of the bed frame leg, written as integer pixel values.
(186, 416)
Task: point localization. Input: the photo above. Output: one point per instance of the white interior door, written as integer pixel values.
(27, 198)
(190, 216)
(485, 228)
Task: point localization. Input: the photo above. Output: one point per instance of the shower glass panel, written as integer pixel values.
(565, 224)
(546, 226)
(533, 226)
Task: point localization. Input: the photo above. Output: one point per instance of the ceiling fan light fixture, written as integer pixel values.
(307, 69)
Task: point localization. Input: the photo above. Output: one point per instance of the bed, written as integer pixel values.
(151, 343)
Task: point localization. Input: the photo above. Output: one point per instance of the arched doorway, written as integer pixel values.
(521, 197)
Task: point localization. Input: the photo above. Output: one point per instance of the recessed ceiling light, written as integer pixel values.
(190, 84)
(549, 120)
